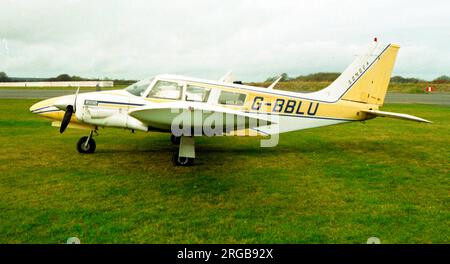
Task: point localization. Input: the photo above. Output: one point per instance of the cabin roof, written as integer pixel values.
(236, 86)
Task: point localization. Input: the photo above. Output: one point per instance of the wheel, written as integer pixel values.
(175, 140)
(181, 161)
(84, 148)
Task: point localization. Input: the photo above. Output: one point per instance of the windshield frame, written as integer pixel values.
(140, 88)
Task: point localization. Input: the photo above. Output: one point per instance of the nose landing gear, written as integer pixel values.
(86, 145)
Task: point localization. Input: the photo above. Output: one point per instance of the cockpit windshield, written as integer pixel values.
(139, 88)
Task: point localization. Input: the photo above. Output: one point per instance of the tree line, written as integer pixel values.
(61, 78)
(314, 77)
(331, 76)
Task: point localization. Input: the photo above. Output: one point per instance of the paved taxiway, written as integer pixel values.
(435, 98)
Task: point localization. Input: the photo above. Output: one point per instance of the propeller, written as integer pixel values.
(70, 109)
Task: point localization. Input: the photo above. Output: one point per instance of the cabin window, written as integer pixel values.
(230, 98)
(197, 93)
(166, 90)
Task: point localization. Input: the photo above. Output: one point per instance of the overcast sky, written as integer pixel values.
(206, 38)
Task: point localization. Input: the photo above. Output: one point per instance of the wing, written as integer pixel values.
(396, 115)
(196, 115)
(74, 125)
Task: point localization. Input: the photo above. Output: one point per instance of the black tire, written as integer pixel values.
(86, 149)
(181, 161)
(175, 140)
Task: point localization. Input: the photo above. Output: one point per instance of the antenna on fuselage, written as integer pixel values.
(228, 77)
(274, 83)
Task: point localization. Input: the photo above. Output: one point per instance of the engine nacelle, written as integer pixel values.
(111, 117)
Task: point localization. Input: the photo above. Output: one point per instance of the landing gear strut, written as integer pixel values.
(185, 154)
(175, 140)
(86, 145)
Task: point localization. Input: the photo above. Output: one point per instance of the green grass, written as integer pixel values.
(342, 184)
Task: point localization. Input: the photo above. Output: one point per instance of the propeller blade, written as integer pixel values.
(66, 118)
(75, 101)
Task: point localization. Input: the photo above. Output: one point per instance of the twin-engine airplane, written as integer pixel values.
(188, 107)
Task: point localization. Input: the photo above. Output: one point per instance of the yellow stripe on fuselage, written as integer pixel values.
(271, 103)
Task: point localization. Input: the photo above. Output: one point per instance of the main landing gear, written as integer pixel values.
(175, 140)
(185, 154)
(86, 145)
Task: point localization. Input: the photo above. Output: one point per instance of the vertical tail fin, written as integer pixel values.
(366, 80)
(371, 86)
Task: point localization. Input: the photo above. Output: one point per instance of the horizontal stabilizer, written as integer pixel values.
(396, 115)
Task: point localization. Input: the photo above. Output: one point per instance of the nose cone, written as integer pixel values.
(34, 107)
(44, 106)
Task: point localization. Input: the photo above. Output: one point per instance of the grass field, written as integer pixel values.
(343, 184)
